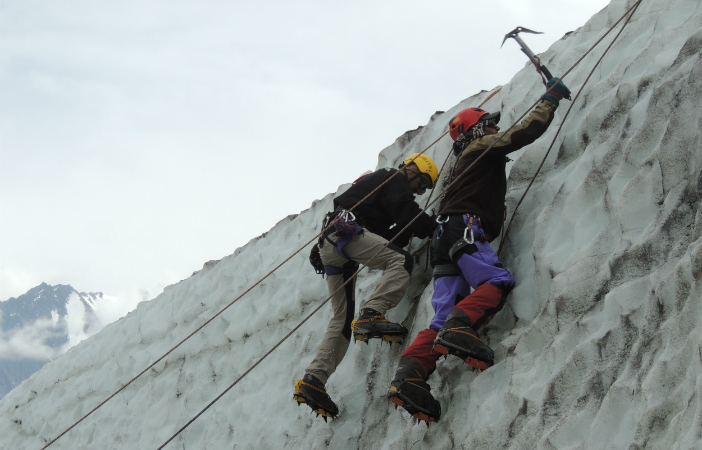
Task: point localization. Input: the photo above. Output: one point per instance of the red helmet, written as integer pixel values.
(466, 119)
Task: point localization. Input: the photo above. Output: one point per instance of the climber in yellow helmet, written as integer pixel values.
(355, 238)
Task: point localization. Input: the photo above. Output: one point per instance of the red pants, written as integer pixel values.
(478, 306)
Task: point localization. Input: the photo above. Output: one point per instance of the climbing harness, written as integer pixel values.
(346, 228)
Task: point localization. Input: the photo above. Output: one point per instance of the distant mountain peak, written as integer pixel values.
(41, 325)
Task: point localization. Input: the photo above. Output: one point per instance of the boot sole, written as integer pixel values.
(447, 349)
(300, 397)
(385, 337)
(395, 397)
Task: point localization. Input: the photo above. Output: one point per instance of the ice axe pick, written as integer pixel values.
(514, 34)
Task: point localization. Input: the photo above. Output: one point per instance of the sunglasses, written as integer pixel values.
(490, 123)
(424, 183)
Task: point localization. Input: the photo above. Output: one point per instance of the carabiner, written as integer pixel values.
(465, 232)
(344, 215)
(441, 222)
(465, 236)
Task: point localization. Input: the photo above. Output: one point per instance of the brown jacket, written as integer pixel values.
(482, 190)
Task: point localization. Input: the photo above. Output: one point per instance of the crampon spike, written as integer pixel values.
(325, 419)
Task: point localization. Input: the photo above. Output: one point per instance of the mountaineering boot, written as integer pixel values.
(371, 324)
(410, 391)
(456, 337)
(311, 391)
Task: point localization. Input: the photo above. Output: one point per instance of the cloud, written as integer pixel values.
(112, 308)
(29, 341)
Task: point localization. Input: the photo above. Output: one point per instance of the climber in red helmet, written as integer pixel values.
(470, 217)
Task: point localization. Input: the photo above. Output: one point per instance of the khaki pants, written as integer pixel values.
(396, 265)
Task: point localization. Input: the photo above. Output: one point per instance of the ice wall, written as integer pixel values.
(599, 346)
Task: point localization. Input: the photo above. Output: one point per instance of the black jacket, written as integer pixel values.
(391, 204)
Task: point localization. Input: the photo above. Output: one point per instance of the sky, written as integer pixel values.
(140, 139)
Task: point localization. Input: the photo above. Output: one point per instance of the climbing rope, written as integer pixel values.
(299, 250)
(429, 203)
(514, 213)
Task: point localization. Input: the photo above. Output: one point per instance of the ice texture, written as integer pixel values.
(598, 347)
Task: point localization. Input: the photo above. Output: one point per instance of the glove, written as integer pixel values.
(558, 92)
(316, 260)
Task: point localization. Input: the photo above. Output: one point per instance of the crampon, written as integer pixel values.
(371, 324)
(415, 399)
(464, 343)
(308, 391)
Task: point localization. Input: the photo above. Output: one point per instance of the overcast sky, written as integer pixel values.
(140, 139)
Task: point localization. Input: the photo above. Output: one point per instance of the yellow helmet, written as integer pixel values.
(425, 165)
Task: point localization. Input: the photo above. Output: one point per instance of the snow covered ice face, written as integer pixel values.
(598, 346)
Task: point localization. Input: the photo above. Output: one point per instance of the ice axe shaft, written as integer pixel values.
(514, 34)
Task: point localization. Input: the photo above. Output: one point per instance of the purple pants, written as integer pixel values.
(478, 265)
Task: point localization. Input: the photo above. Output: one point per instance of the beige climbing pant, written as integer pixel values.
(396, 265)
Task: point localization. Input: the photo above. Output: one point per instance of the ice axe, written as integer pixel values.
(514, 34)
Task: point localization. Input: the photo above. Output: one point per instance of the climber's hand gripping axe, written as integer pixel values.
(514, 34)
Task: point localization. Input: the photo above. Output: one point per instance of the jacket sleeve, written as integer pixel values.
(399, 202)
(529, 130)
